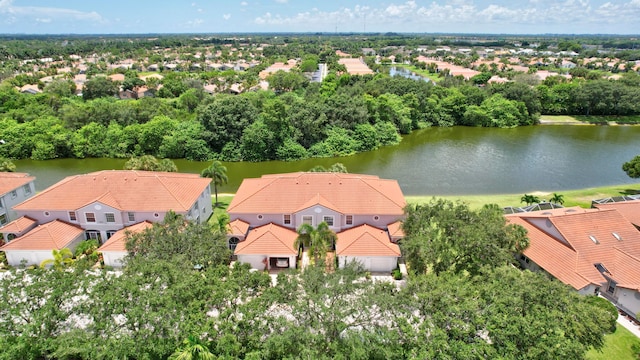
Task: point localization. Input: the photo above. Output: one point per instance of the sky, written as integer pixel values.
(328, 16)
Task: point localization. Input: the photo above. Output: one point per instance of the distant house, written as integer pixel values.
(104, 202)
(30, 89)
(592, 250)
(363, 210)
(14, 189)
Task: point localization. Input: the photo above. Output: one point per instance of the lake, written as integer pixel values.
(443, 161)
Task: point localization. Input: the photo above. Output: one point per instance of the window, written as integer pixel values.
(110, 233)
(110, 217)
(376, 218)
(93, 234)
(3, 219)
(307, 219)
(27, 189)
(47, 214)
(91, 217)
(260, 217)
(611, 287)
(132, 217)
(328, 219)
(72, 216)
(156, 215)
(14, 194)
(349, 219)
(233, 242)
(1, 203)
(287, 220)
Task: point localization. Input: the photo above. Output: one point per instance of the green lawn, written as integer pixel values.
(617, 346)
(433, 77)
(580, 119)
(223, 203)
(581, 197)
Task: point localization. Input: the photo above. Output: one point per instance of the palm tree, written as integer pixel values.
(193, 349)
(61, 259)
(218, 173)
(557, 199)
(529, 199)
(318, 241)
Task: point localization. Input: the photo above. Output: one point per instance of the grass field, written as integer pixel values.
(589, 120)
(617, 346)
(581, 197)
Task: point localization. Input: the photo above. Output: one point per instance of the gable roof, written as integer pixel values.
(628, 209)
(237, 228)
(365, 240)
(346, 193)
(125, 190)
(395, 229)
(568, 243)
(268, 239)
(55, 234)
(10, 181)
(18, 225)
(117, 241)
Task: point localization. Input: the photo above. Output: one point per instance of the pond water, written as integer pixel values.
(443, 161)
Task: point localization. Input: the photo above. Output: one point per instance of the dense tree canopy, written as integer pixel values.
(446, 236)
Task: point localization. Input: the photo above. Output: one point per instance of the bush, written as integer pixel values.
(397, 275)
(606, 305)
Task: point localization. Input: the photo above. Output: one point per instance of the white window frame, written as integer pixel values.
(93, 234)
(3, 219)
(1, 202)
(27, 189)
(93, 215)
(348, 219)
(73, 216)
(307, 217)
(110, 233)
(131, 216)
(325, 217)
(109, 214)
(14, 194)
(286, 219)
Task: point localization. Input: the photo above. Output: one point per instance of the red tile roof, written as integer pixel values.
(117, 241)
(352, 194)
(268, 239)
(365, 240)
(237, 228)
(395, 229)
(10, 181)
(52, 235)
(126, 190)
(567, 243)
(628, 209)
(18, 225)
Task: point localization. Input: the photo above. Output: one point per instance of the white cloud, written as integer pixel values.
(282, 1)
(463, 15)
(40, 13)
(195, 22)
(244, 3)
(46, 20)
(226, 16)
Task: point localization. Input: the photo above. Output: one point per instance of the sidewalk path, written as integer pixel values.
(629, 325)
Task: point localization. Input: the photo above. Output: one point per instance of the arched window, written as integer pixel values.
(233, 242)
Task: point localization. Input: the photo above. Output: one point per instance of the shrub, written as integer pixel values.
(608, 307)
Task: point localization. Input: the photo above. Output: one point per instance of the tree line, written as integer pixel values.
(341, 116)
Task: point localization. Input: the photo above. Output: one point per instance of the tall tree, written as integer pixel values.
(150, 163)
(632, 167)
(447, 236)
(218, 173)
(7, 165)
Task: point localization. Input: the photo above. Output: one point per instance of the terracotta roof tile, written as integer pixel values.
(18, 225)
(10, 181)
(568, 244)
(125, 190)
(628, 209)
(237, 228)
(347, 193)
(117, 241)
(52, 235)
(268, 239)
(395, 229)
(365, 240)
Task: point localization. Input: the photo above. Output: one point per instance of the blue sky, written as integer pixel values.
(429, 16)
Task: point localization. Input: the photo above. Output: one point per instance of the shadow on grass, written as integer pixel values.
(629, 192)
